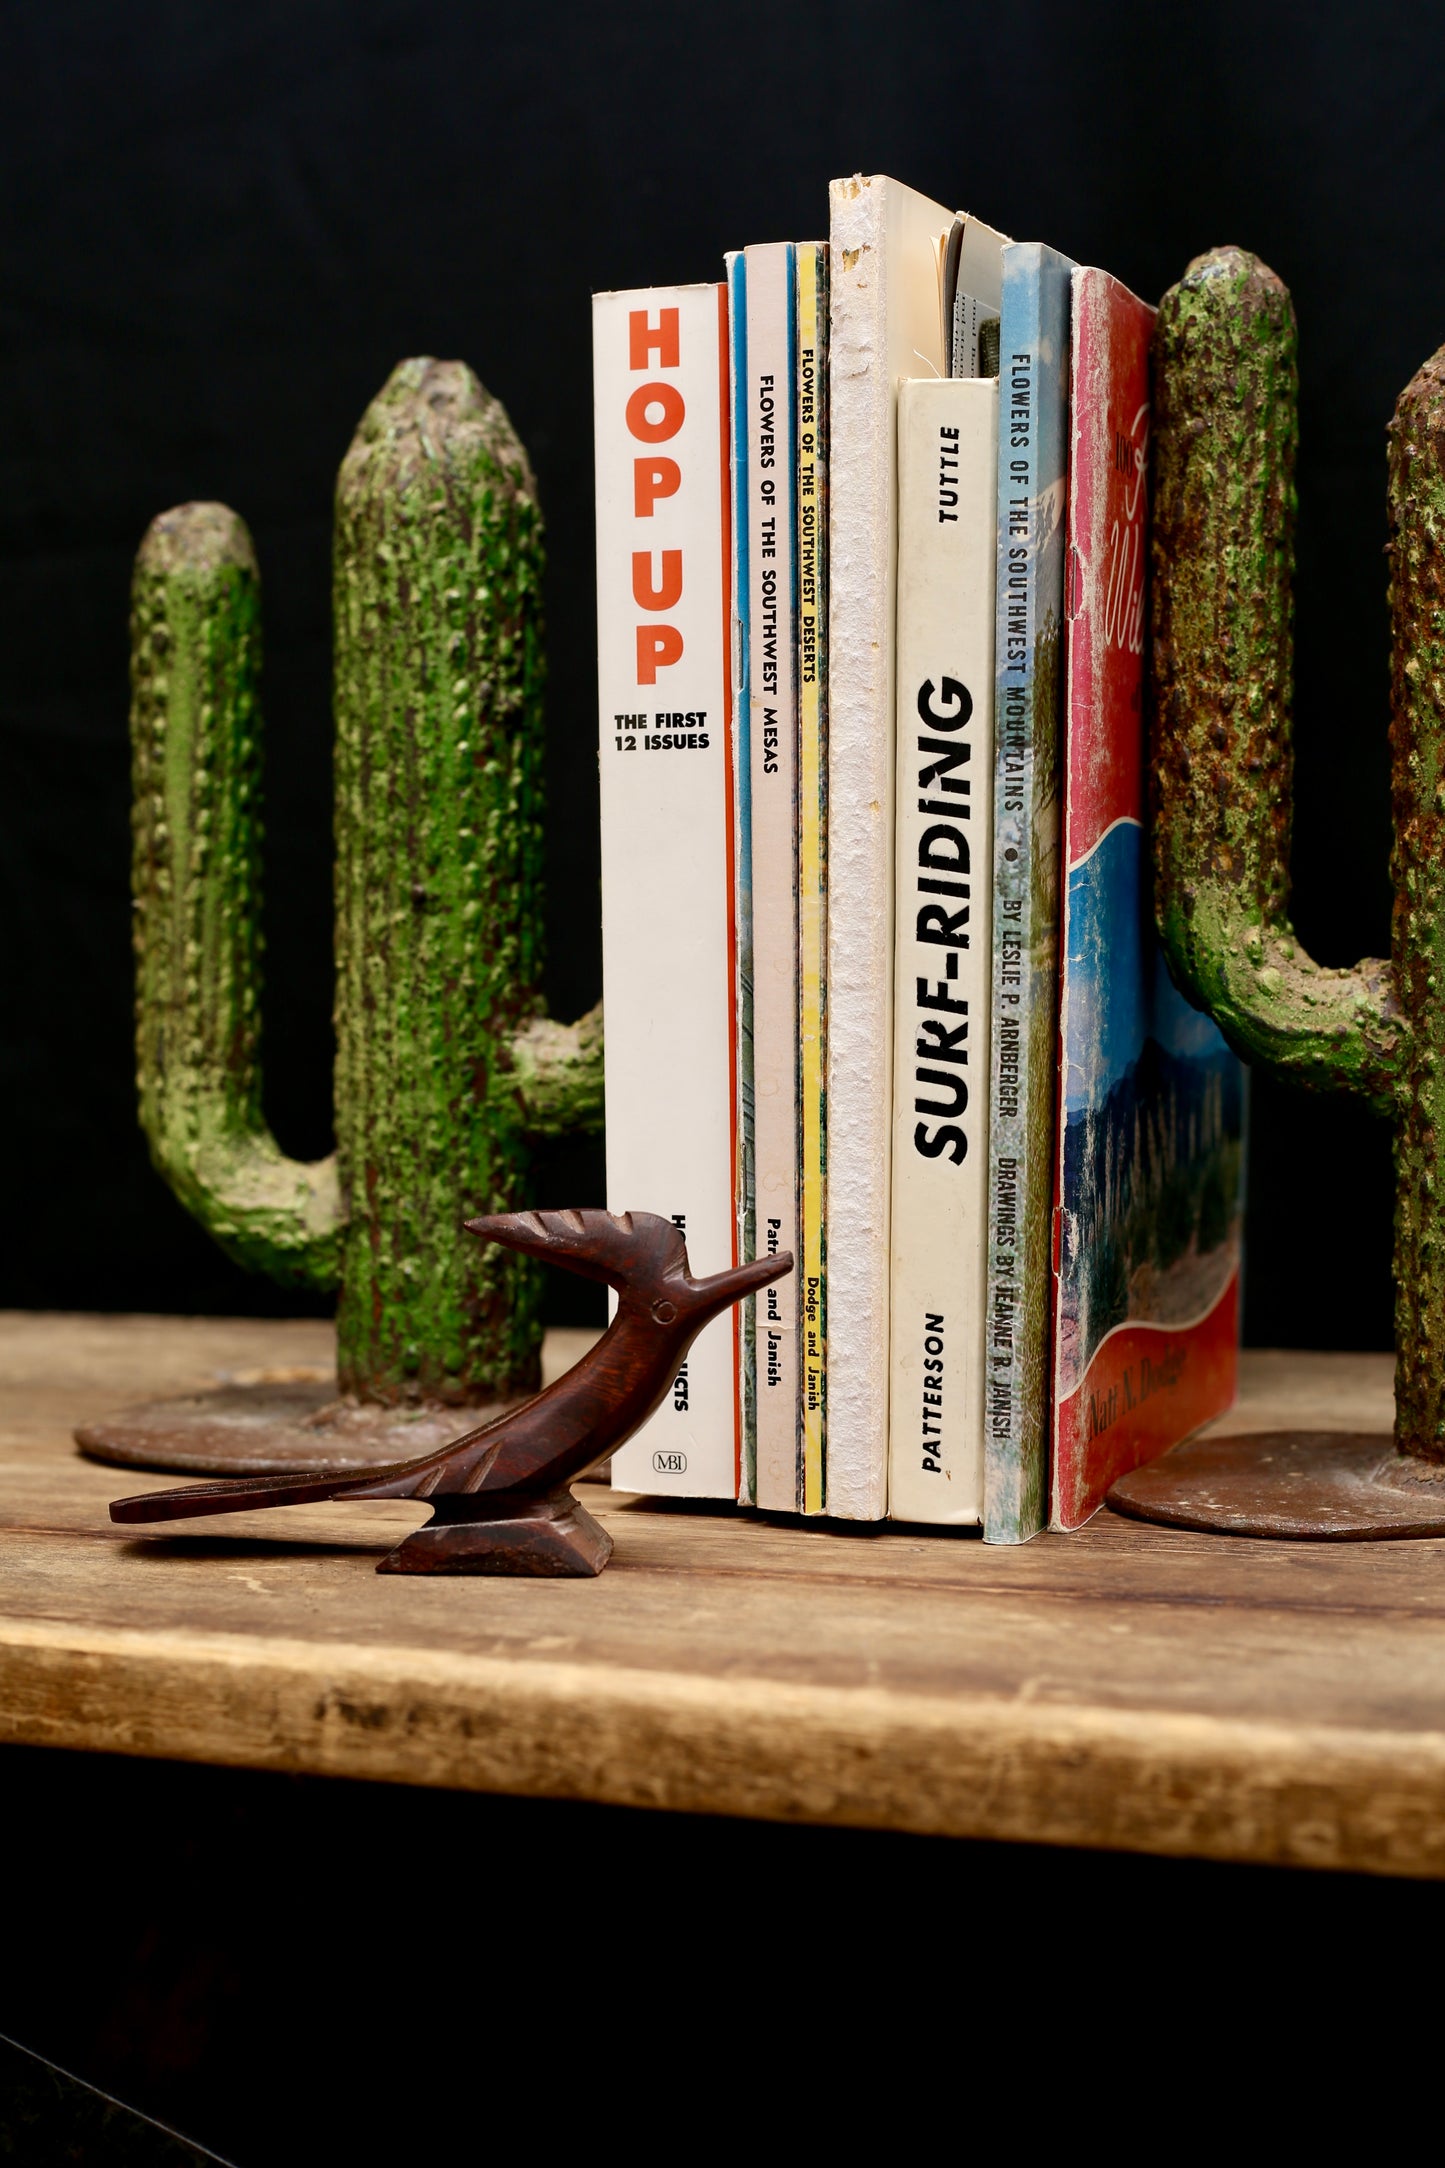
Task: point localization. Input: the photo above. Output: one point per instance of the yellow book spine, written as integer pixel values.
(812, 550)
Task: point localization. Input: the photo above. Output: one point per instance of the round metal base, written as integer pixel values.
(276, 1429)
(1314, 1486)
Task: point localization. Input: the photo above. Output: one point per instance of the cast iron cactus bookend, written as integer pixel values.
(501, 1496)
(1223, 514)
(445, 1067)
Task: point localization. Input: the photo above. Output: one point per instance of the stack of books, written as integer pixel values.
(880, 981)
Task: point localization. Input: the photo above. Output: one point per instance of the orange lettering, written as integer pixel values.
(669, 398)
(657, 646)
(665, 593)
(642, 339)
(651, 479)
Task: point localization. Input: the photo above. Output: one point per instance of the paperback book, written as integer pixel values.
(744, 1185)
(886, 323)
(1032, 480)
(669, 887)
(767, 420)
(947, 527)
(812, 560)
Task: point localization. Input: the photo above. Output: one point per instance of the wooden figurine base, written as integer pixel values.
(550, 1537)
(1308, 1486)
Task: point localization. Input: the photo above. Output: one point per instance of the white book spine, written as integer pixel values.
(773, 757)
(860, 824)
(947, 541)
(668, 882)
(886, 323)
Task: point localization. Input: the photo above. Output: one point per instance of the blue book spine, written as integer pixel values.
(1033, 445)
(746, 1187)
(776, 1041)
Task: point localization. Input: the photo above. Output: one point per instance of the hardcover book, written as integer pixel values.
(1151, 1101)
(886, 323)
(669, 903)
(1032, 480)
(773, 763)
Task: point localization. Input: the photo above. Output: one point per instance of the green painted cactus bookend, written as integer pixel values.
(446, 1067)
(1222, 667)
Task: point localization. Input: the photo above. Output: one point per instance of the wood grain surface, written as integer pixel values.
(1125, 1686)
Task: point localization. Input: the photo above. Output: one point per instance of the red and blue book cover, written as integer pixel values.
(1149, 1186)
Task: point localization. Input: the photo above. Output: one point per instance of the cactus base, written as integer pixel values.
(1299, 1485)
(274, 1429)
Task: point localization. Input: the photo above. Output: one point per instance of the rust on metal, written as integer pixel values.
(272, 1429)
(1319, 1486)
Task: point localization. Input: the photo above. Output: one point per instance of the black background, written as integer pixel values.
(304, 1972)
(222, 224)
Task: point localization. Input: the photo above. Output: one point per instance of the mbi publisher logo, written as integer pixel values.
(669, 1464)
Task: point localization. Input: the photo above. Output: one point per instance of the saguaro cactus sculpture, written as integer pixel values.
(1225, 436)
(445, 1066)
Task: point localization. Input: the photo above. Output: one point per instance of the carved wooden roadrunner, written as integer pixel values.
(500, 1496)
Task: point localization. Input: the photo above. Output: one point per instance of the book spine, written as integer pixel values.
(664, 553)
(744, 1197)
(885, 324)
(947, 532)
(1149, 1149)
(860, 722)
(812, 548)
(773, 763)
(1032, 465)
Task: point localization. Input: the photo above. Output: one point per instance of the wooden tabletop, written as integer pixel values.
(1125, 1686)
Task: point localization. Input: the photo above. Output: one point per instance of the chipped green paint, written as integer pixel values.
(557, 1069)
(1223, 545)
(1225, 435)
(445, 1066)
(1417, 864)
(195, 657)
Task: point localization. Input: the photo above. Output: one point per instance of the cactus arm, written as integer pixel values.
(556, 1074)
(195, 727)
(1223, 534)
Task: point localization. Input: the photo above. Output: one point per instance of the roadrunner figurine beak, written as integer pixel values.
(500, 1496)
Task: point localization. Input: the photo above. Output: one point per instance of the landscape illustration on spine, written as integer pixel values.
(1150, 1132)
